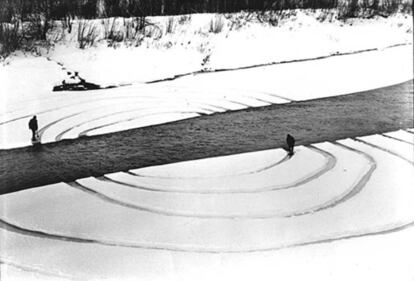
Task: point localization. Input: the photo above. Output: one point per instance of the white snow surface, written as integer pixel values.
(402, 135)
(274, 177)
(403, 149)
(97, 229)
(190, 46)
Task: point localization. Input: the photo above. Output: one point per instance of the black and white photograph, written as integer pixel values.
(182, 140)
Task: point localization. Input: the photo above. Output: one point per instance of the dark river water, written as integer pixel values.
(313, 121)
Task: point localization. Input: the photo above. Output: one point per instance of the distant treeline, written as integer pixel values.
(58, 9)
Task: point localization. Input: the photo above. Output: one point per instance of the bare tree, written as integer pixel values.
(100, 8)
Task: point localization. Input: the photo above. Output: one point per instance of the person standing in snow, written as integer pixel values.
(33, 127)
(291, 143)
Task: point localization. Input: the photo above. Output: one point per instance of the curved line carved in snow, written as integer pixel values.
(85, 132)
(346, 195)
(384, 149)
(329, 164)
(192, 249)
(70, 105)
(397, 139)
(31, 269)
(285, 158)
(354, 190)
(61, 134)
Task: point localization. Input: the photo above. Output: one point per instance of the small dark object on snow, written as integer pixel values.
(82, 85)
(291, 143)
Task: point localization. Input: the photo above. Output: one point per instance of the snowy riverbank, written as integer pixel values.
(174, 222)
(189, 45)
(72, 114)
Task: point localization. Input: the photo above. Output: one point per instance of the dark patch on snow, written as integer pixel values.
(75, 83)
(81, 86)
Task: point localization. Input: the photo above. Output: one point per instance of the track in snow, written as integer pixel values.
(98, 114)
(359, 164)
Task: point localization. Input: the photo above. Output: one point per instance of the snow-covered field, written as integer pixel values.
(192, 46)
(349, 215)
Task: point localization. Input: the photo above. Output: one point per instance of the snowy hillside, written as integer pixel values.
(181, 44)
(191, 45)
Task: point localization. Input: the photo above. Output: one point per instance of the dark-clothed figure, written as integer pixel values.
(33, 127)
(291, 143)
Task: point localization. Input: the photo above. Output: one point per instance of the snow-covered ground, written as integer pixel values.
(348, 213)
(191, 46)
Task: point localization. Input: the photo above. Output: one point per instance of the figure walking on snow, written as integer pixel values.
(33, 127)
(291, 143)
